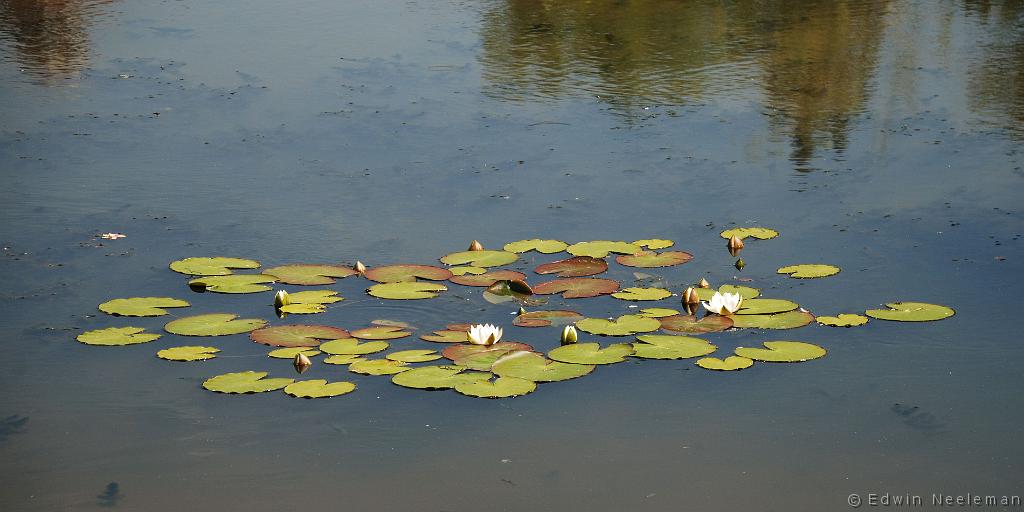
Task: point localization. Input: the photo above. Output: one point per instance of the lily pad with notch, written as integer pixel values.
(654, 244)
(546, 318)
(541, 246)
(235, 283)
(245, 382)
(380, 333)
(625, 325)
(782, 352)
(141, 306)
(809, 270)
(636, 294)
(352, 346)
(537, 368)
(318, 388)
(577, 287)
(378, 367)
(489, 278)
(481, 357)
(766, 306)
(117, 336)
(730, 363)
(660, 346)
(438, 377)
(911, 312)
(213, 324)
(591, 353)
(414, 356)
(658, 312)
(407, 273)
(502, 387)
(291, 352)
(188, 353)
(787, 320)
(483, 258)
(577, 266)
(215, 266)
(691, 325)
(309, 274)
(601, 248)
(753, 232)
(298, 335)
(651, 259)
(745, 291)
(842, 320)
(406, 290)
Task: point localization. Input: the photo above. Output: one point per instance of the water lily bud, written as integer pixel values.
(704, 283)
(569, 335)
(476, 246)
(359, 267)
(690, 296)
(740, 264)
(522, 311)
(735, 242)
(281, 299)
(302, 363)
(691, 309)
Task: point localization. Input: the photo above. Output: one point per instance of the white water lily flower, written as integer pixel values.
(724, 303)
(485, 334)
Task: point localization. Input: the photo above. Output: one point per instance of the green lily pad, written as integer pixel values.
(745, 291)
(407, 273)
(651, 259)
(502, 387)
(378, 367)
(414, 356)
(291, 352)
(406, 290)
(318, 388)
(342, 359)
(446, 336)
(116, 336)
(758, 233)
(380, 333)
(809, 271)
(577, 266)
(315, 297)
(601, 248)
(765, 306)
(188, 353)
(659, 346)
(624, 325)
(352, 346)
(537, 368)
(245, 382)
(577, 287)
(217, 266)
(911, 312)
(481, 357)
(141, 306)
(437, 377)
(489, 278)
(297, 335)
(461, 271)
(691, 325)
(843, 320)
(236, 283)
(787, 320)
(214, 324)
(546, 318)
(480, 258)
(302, 309)
(728, 364)
(782, 352)
(541, 246)
(653, 244)
(307, 274)
(592, 353)
(658, 312)
(642, 294)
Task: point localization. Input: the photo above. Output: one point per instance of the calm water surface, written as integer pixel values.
(880, 136)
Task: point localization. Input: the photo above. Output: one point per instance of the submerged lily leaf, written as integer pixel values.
(352, 346)
(461, 271)
(758, 233)
(309, 274)
(217, 266)
(537, 368)
(483, 258)
(437, 377)
(406, 290)
(601, 248)
(315, 297)
(546, 318)
(414, 356)
(380, 333)
(730, 363)
(404, 273)
(214, 324)
(654, 244)
(592, 353)
(659, 346)
(488, 278)
(691, 325)
(188, 353)
(541, 246)
(642, 294)
(577, 266)
(297, 335)
(302, 309)
(342, 359)
(235, 283)
(481, 357)
(809, 271)
(291, 352)
(318, 388)
(745, 291)
(141, 306)
(577, 287)
(624, 325)
(911, 312)
(843, 320)
(658, 312)
(245, 382)
(651, 259)
(765, 306)
(378, 367)
(787, 320)
(116, 336)
(782, 352)
(502, 387)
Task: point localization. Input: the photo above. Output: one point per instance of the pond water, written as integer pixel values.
(880, 136)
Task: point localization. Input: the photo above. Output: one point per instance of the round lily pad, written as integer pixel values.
(297, 335)
(404, 273)
(352, 346)
(787, 320)
(591, 353)
(651, 259)
(642, 294)
(601, 248)
(541, 246)
(480, 258)
(758, 233)
(446, 336)
(461, 271)
(217, 266)
(380, 333)
(502, 387)
(624, 325)
(809, 271)
(843, 320)
(291, 352)
(406, 290)
(537, 368)
(245, 382)
(658, 312)
(654, 244)
(188, 353)
(214, 324)
(116, 336)
(235, 283)
(577, 287)
(658, 346)
(302, 309)
(745, 291)
(437, 377)
(342, 359)
(141, 306)
(481, 357)
(314, 297)
(378, 367)
(414, 356)
(782, 352)
(765, 306)
(577, 266)
(307, 274)
(691, 325)
(489, 278)
(546, 318)
(728, 364)
(318, 388)
(911, 312)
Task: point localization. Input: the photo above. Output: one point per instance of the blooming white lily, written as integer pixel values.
(485, 334)
(724, 303)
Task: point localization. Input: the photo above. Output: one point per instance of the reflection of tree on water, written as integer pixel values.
(49, 37)
(998, 84)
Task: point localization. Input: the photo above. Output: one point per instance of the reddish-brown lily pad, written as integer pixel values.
(488, 278)
(577, 287)
(309, 274)
(577, 266)
(297, 335)
(380, 333)
(546, 318)
(690, 324)
(651, 259)
(446, 336)
(401, 273)
(481, 357)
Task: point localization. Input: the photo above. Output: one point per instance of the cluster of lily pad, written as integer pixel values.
(479, 363)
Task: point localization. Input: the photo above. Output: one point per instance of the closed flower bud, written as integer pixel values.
(704, 283)
(569, 335)
(359, 267)
(476, 246)
(690, 296)
(302, 363)
(740, 264)
(281, 299)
